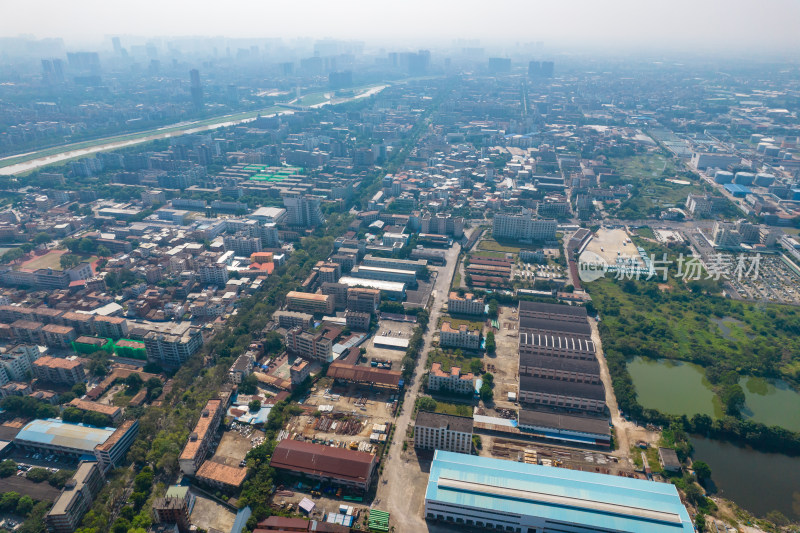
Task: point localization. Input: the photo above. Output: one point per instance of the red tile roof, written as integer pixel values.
(316, 459)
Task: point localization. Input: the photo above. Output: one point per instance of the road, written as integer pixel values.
(626, 433)
(401, 489)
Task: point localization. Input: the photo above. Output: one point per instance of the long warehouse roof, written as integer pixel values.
(57, 433)
(598, 500)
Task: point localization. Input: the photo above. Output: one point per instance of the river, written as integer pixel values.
(55, 155)
(756, 481)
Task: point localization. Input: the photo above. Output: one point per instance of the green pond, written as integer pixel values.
(673, 387)
(679, 388)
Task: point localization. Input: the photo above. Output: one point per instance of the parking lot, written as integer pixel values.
(774, 281)
(394, 330)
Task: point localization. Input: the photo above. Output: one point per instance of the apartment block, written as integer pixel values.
(453, 381)
(461, 337)
(466, 305)
(363, 300)
(309, 303)
(68, 370)
(438, 431)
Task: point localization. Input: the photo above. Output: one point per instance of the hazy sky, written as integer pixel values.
(708, 25)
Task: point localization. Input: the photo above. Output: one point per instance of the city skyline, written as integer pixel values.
(711, 27)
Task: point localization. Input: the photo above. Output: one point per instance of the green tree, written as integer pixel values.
(426, 403)
(476, 366)
(37, 475)
(254, 405)
(702, 471)
(41, 238)
(493, 308)
(490, 343)
(8, 501)
(25, 505)
(12, 255)
(486, 393)
(68, 261)
(488, 379)
(249, 384)
(134, 382)
(8, 468)
(103, 251)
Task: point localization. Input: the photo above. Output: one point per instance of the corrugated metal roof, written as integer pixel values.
(57, 433)
(583, 498)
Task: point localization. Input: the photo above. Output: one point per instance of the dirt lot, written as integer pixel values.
(234, 446)
(504, 364)
(354, 409)
(608, 242)
(289, 496)
(391, 328)
(37, 491)
(207, 514)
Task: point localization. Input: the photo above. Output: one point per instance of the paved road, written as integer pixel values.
(626, 433)
(402, 486)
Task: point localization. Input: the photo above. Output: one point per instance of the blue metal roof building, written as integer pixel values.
(493, 493)
(62, 437)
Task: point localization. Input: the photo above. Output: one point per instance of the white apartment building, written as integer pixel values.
(453, 381)
(468, 305)
(523, 227)
(459, 338)
(438, 431)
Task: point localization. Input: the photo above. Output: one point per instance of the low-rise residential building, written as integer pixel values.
(114, 413)
(357, 321)
(59, 370)
(363, 300)
(75, 499)
(291, 319)
(309, 303)
(461, 337)
(438, 431)
(200, 439)
(466, 305)
(242, 367)
(312, 345)
(453, 381)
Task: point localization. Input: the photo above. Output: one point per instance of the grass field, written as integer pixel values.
(457, 409)
(493, 245)
(448, 359)
(456, 322)
(52, 260)
(489, 255)
(649, 173)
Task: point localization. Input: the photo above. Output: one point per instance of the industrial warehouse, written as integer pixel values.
(487, 493)
(560, 391)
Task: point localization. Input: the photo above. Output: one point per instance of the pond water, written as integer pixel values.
(673, 387)
(756, 481)
(679, 388)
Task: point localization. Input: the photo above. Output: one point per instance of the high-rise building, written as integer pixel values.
(303, 211)
(196, 88)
